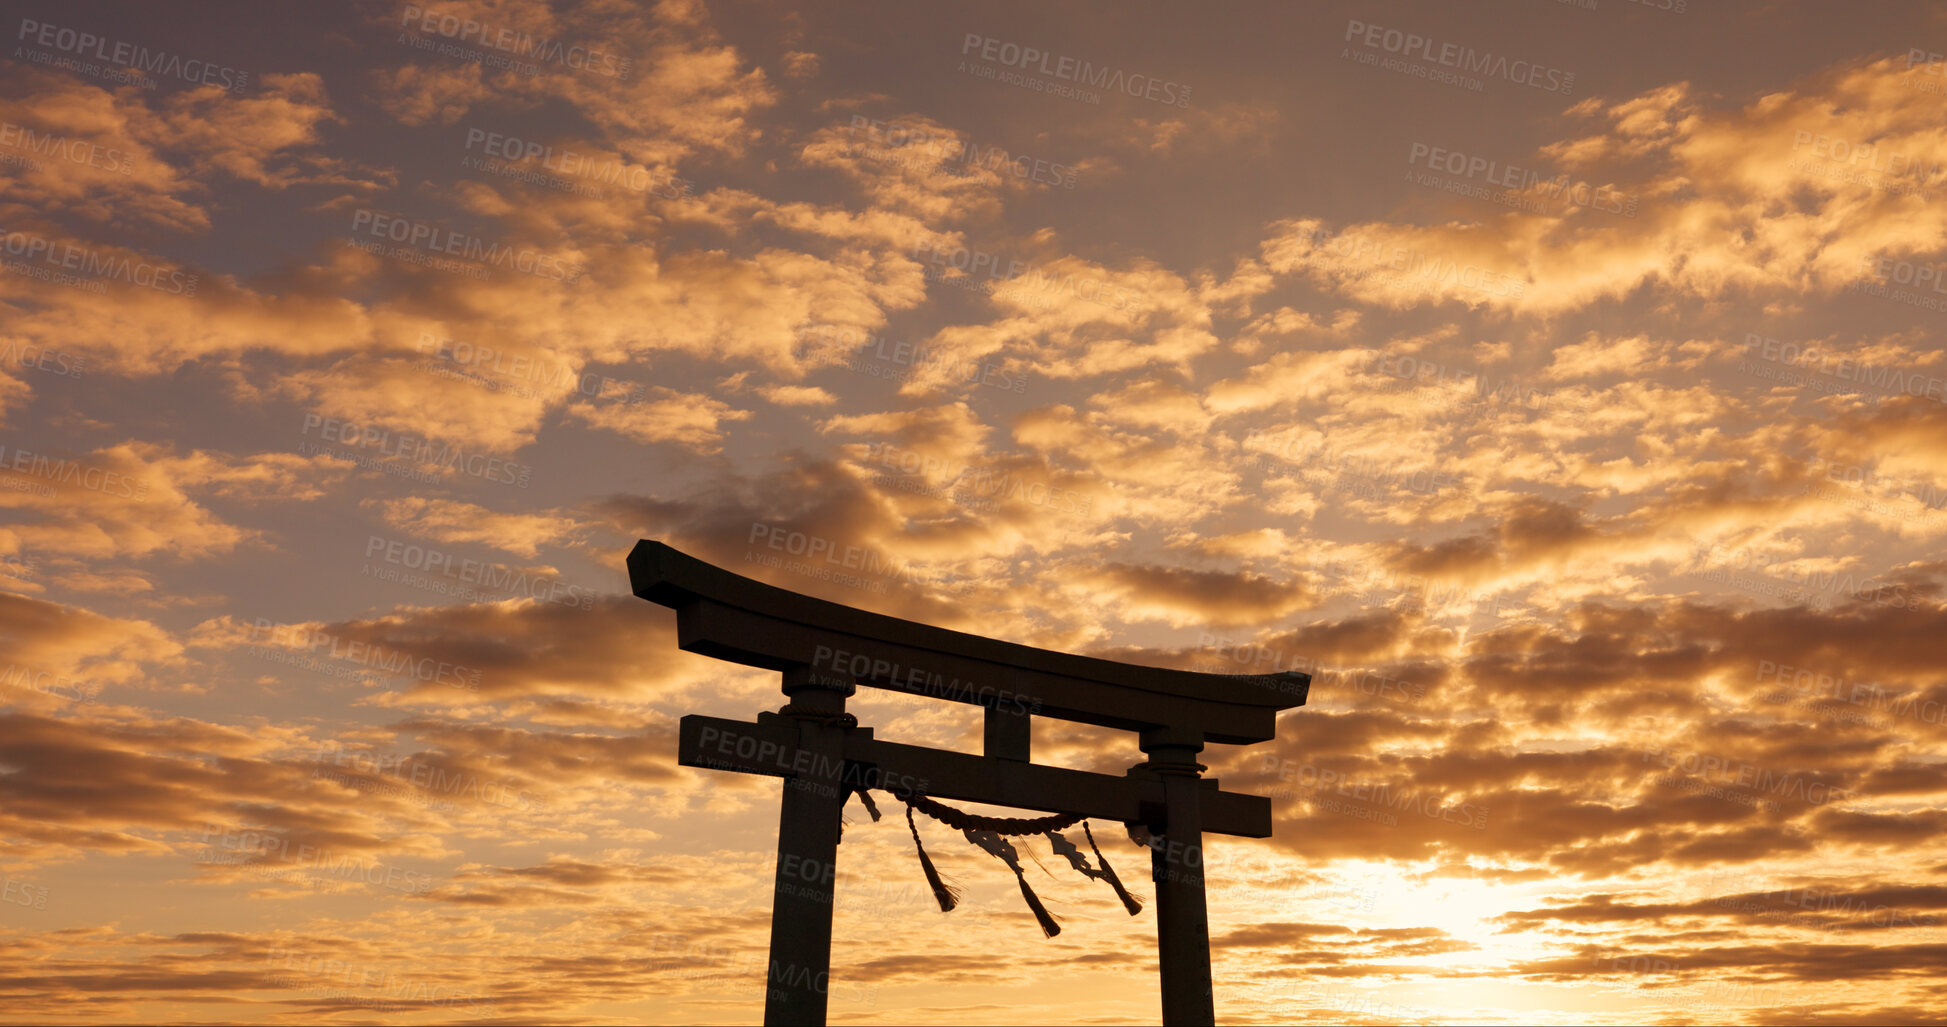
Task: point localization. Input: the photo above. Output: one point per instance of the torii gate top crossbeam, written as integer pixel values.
(731, 617)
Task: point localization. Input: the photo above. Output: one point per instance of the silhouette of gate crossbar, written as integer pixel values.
(825, 649)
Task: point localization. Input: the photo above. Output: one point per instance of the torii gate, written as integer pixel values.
(825, 649)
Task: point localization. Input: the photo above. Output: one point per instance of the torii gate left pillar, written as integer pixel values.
(797, 982)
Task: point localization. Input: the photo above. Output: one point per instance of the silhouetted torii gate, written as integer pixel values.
(825, 649)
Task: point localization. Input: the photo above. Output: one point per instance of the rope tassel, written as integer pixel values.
(943, 893)
(1002, 850)
(1049, 928)
(1129, 902)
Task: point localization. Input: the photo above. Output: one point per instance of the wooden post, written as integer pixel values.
(799, 980)
(1176, 862)
(1006, 735)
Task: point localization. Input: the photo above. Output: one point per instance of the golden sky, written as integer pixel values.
(1558, 383)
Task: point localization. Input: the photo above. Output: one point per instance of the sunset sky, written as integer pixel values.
(1559, 383)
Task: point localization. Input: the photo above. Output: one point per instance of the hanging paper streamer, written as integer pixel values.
(1003, 850)
(1063, 847)
(1080, 862)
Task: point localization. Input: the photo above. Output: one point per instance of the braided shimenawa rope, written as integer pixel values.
(961, 820)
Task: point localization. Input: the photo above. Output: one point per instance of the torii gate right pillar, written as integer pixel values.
(1176, 867)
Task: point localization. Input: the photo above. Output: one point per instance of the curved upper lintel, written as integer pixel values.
(728, 616)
